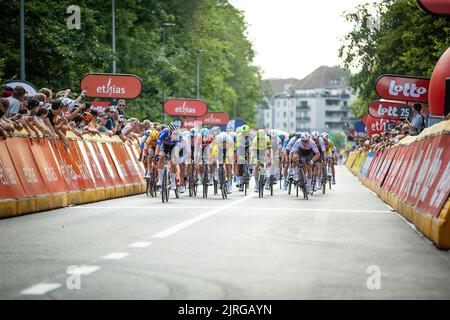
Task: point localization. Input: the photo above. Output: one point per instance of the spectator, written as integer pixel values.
(15, 101)
(121, 107)
(418, 122)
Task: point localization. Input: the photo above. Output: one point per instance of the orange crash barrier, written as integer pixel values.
(413, 177)
(40, 174)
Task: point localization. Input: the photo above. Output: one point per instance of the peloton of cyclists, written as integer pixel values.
(276, 152)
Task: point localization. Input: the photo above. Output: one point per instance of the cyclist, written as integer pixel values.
(283, 140)
(149, 152)
(276, 146)
(168, 139)
(223, 152)
(243, 142)
(141, 150)
(330, 151)
(287, 151)
(204, 151)
(193, 143)
(306, 151)
(260, 153)
(321, 146)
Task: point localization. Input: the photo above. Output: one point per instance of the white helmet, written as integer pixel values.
(221, 137)
(305, 136)
(273, 133)
(325, 135)
(315, 135)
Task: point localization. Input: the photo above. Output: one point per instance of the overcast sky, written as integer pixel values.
(294, 37)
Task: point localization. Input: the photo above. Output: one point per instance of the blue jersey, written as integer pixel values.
(168, 139)
(291, 143)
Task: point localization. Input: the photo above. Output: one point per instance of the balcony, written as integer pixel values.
(303, 120)
(303, 108)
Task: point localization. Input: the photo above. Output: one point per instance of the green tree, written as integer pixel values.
(57, 57)
(391, 36)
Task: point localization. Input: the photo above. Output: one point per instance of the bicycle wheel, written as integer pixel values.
(304, 184)
(271, 185)
(324, 181)
(191, 181)
(164, 189)
(147, 190)
(215, 186)
(205, 181)
(262, 179)
(223, 184)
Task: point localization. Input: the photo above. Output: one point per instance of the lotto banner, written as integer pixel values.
(26, 167)
(107, 163)
(367, 163)
(385, 165)
(10, 186)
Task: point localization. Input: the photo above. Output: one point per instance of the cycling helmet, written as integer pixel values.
(298, 135)
(325, 135)
(204, 132)
(215, 131)
(148, 132)
(315, 135)
(282, 135)
(245, 128)
(193, 132)
(273, 133)
(154, 135)
(260, 133)
(174, 126)
(238, 129)
(305, 136)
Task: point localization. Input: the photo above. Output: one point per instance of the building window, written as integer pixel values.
(332, 102)
(284, 114)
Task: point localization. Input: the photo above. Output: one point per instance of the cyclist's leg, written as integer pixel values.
(162, 153)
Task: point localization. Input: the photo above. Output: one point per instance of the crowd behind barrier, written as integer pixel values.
(412, 175)
(55, 151)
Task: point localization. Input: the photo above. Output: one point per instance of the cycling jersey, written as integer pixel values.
(221, 153)
(290, 144)
(329, 146)
(300, 146)
(320, 145)
(168, 139)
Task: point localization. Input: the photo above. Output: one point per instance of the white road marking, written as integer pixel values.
(253, 208)
(40, 289)
(142, 244)
(116, 255)
(185, 224)
(83, 270)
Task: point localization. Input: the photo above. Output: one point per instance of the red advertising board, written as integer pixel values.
(185, 107)
(215, 119)
(107, 163)
(10, 186)
(106, 85)
(26, 166)
(375, 125)
(436, 7)
(393, 87)
(48, 165)
(390, 110)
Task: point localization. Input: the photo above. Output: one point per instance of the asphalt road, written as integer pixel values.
(345, 244)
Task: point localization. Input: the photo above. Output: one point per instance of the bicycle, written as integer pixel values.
(222, 181)
(205, 178)
(245, 174)
(151, 182)
(261, 178)
(166, 182)
(302, 182)
(192, 183)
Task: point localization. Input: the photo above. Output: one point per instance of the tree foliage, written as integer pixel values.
(390, 36)
(57, 57)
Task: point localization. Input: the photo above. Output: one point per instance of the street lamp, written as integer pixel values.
(165, 25)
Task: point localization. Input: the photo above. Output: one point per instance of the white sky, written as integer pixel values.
(294, 37)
